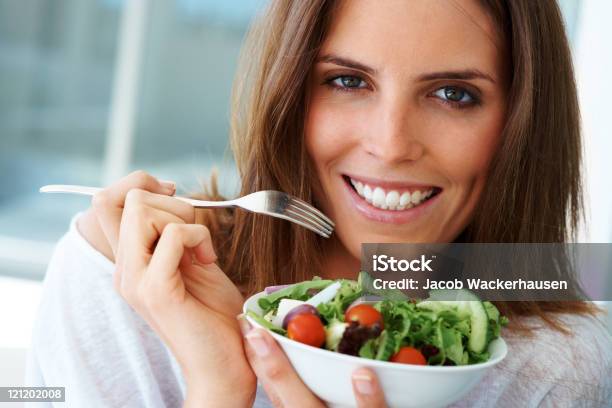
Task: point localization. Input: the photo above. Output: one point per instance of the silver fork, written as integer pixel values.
(270, 202)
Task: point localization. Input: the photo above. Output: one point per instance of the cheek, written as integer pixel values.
(327, 135)
(464, 151)
(321, 146)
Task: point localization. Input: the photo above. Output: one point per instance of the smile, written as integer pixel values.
(392, 198)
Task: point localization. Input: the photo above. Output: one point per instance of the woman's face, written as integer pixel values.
(406, 106)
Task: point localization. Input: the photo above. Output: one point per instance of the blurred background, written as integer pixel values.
(92, 89)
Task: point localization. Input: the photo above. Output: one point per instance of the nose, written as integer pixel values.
(393, 135)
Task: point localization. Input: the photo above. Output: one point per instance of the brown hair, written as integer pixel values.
(533, 191)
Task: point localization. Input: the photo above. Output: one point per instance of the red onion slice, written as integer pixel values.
(301, 309)
(272, 289)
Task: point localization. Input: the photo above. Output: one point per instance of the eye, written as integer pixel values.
(455, 95)
(347, 82)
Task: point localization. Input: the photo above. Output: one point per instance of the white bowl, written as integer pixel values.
(328, 374)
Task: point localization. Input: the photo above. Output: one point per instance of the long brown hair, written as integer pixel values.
(533, 191)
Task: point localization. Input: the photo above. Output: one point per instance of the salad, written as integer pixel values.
(344, 317)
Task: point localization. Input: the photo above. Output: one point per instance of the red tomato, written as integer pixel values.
(306, 328)
(409, 355)
(365, 315)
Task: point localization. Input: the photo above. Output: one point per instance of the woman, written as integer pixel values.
(404, 121)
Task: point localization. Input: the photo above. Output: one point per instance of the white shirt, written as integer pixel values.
(88, 339)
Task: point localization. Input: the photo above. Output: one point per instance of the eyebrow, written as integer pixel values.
(346, 62)
(462, 74)
(465, 74)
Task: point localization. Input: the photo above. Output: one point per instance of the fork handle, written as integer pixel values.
(90, 191)
(68, 188)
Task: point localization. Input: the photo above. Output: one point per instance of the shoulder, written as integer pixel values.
(78, 278)
(575, 367)
(551, 368)
(72, 252)
(562, 368)
(78, 297)
(586, 348)
(87, 337)
(584, 329)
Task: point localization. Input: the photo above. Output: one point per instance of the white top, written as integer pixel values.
(87, 339)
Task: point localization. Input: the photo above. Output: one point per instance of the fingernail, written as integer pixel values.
(244, 324)
(258, 343)
(363, 384)
(169, 186)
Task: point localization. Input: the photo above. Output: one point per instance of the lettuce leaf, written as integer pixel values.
(349, 292)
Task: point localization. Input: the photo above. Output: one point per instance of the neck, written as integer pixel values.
(338, 262)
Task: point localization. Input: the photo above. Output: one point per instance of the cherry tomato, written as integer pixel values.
(365, 315)
(306, 328)
(409, 355)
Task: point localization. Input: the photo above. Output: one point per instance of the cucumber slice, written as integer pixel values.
(479, 322)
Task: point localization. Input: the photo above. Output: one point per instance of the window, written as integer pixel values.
(62, 119)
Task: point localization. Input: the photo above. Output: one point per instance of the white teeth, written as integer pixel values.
(392, 200)
(378, 197)
(359, 188)
(367, 193)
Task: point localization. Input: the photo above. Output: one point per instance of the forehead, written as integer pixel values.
(416, 35)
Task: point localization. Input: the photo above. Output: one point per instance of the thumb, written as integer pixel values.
(204, 252)
(366, 387)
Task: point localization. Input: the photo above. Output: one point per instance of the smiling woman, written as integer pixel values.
(404, 121)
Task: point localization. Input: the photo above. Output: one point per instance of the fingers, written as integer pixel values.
(170, 249)
(153, 243)
(108, 204)
(162, 287)
(141, 227)
(366, 387)
(144, 217)
(139, 204)
(274, 370)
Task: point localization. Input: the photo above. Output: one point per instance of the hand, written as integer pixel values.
(282, 384)
(99, 225)
(166, 272)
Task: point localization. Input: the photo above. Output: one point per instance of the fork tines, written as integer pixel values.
(308, 216)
